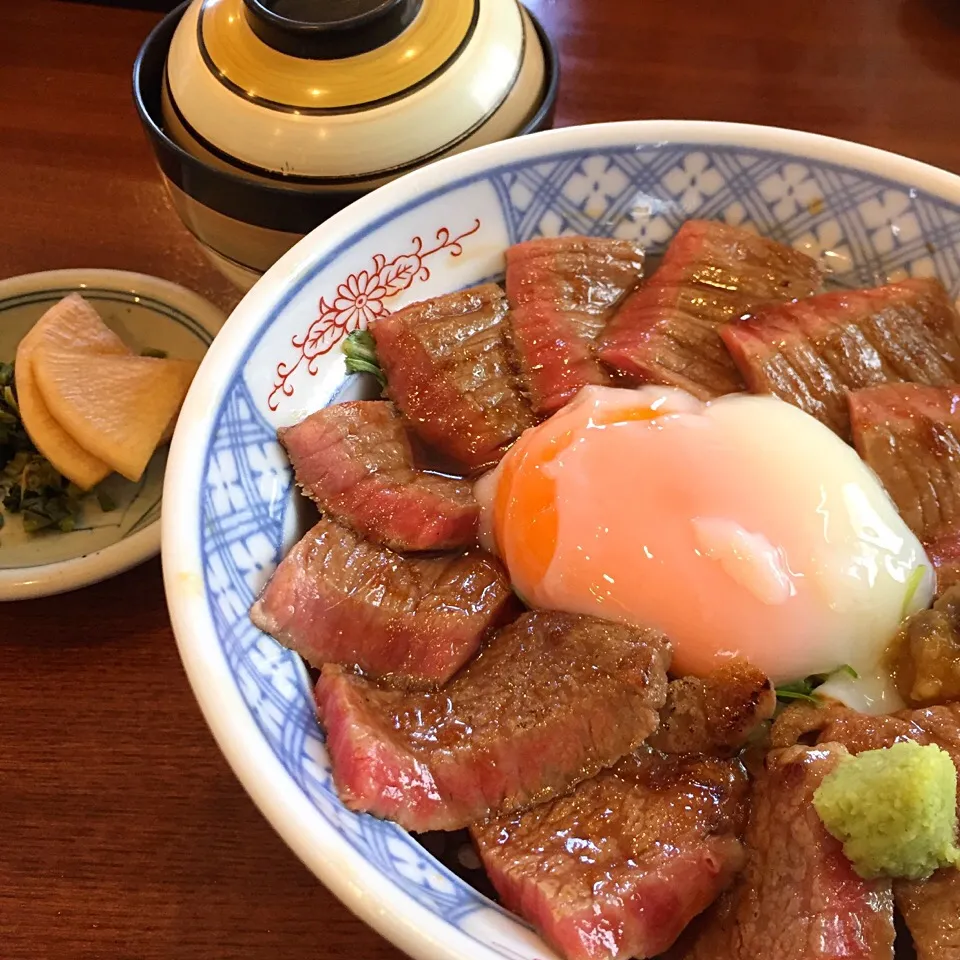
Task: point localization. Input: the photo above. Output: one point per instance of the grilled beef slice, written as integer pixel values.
(550, 701)
(931, 909)
(668, 330)
(812, 352)
(448, 369)
(355, 461)
(943, 549)
(337, 598)
(859, 731)
(562, 291)
(910, 435)
(715, 715)
(798, 897)
(835, 723)
(925, 654)
(620, 866)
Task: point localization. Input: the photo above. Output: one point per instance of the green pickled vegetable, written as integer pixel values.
(29, 483)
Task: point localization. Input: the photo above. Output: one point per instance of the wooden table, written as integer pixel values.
(122, 832)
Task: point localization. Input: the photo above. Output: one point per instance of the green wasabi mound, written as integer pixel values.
(894, 810)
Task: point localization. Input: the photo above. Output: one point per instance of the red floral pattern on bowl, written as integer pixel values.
(358, 301)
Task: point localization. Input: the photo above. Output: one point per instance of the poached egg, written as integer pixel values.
(741, 527)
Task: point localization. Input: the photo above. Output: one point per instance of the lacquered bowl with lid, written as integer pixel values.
(267, 116)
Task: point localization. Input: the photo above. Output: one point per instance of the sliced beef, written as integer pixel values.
(448, 369)
(910, 435)
(717, 714)
(857, 732)
(337, 598)
(551, 701)
(798, 897)
(931, 909)
(562, 291)
(668, 330)
(943, 549)
(803, 722)
(620, 866)
(926, 653)
(810, 353)
(355, 460)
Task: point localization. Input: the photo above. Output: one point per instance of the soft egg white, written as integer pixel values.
(740, 527)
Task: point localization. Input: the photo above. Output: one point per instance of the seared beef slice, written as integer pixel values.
(798, 897)
(835, 723)
(910, 435)
(355, 460)
(931, 909)
(812, 352)
(551, 701)
(562, 291)
(716, 714)
(620, 866)
(667, 331)
(337, 598)
(925, 655)
(859, 731)
(448, 369)
(943, 549)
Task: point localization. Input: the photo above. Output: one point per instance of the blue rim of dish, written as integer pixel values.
(310, 271)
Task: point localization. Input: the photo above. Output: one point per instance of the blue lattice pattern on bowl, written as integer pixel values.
(868, 228)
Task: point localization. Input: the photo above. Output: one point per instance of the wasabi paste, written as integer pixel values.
(894, 810)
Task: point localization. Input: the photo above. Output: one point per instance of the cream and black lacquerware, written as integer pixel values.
(267, 116)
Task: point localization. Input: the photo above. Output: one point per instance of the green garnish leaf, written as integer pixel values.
(913, 585)
(360, 351)
(362, 366)
(805, 689)
(11, 400)
(785, 693)
(107, 503)
(29, 484)
(33, 522)
(799, 689)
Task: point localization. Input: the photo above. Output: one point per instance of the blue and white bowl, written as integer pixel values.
(231, 511)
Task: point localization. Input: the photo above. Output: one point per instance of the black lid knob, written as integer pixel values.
(329, 29)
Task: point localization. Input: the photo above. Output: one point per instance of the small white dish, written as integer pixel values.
(147, 313)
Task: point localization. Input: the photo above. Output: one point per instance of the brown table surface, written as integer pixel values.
(123, 834)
